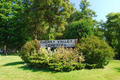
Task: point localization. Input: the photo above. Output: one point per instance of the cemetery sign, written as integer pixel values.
(57, 43)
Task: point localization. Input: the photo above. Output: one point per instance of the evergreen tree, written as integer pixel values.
(12, 27)
(112, 31)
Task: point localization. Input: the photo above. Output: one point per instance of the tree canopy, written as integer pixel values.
(25, 20)
(12, 24)
(78, 30)
(111, 30)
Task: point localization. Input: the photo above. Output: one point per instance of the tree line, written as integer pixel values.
(25, 20)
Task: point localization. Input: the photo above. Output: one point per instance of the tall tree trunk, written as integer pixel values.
(3, 48)
(35, 31)
(49, 29)
(7, 48)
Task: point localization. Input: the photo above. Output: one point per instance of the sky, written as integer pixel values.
(101, 7)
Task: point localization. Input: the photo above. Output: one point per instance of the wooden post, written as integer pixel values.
(38, 46)
(76, 40)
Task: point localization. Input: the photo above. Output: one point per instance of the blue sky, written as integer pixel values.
(101, 7)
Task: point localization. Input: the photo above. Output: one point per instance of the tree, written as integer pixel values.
(49, 13)
(78, 30)
(83, 13)
(98, 29)
(34, 17)
(112, 30)
(86, 14)
(12, 26)
(56, 12)
(4, 18)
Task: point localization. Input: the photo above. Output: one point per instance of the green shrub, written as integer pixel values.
(65, 59)
(79, 66)
(78, 29)
(90, 66)
(62, 59)
(96, 51)
(28, 49)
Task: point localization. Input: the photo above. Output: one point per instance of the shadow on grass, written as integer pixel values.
(14, 63)
(118, 69)
(36, 69)
(28, 68)
(9, 54)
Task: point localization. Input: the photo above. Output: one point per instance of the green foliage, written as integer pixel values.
(66, 59)
(90, 66)
(28, 49)
(111, 31)
(98, 29)
(87, 14)
(13, 29)
(96, 51)
(84, 13)
(78, 29)
(44, 13)
(60, 60)
(59, 35)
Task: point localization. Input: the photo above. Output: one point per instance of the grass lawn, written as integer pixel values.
(13, 68)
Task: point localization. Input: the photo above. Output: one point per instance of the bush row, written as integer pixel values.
(62, 59)
(90, 53)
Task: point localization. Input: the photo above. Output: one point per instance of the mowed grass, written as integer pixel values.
(13, 68)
